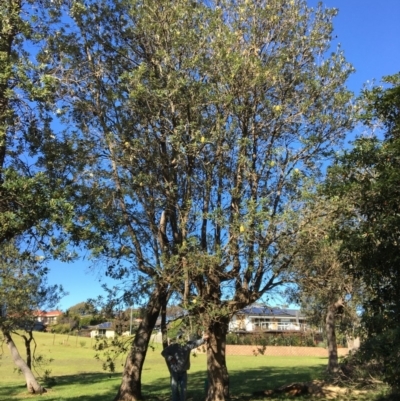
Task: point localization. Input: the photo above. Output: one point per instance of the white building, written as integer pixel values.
(256, 318)
(102, 330)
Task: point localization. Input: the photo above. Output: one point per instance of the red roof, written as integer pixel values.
(51, 313)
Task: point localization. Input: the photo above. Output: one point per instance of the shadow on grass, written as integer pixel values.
(85, 378)
(10, 391)
(242, 383)
(20, 392)
(110, 381)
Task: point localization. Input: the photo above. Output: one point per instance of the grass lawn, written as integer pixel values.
(80, 377)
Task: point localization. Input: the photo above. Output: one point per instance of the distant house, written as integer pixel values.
(179, 313)
(102, 330)
(257, 318)
(48, 317)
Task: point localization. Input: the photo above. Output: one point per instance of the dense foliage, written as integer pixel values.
(31, 197)
(368, 177)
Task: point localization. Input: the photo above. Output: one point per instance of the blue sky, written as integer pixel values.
(369, 34)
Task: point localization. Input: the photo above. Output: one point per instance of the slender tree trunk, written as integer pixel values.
(218, 377)
(131, 386)
(31, 383)
(27, 341)
(333, 364)
(164, 329)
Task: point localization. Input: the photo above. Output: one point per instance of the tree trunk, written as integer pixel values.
(164, 328)
(27, 341)
(31, 383)
(218, 377)
(333, 365)
(131, 385)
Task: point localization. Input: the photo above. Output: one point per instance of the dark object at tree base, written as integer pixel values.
(316, 388)
(294, 389)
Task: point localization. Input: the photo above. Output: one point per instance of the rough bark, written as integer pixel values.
(131, 385)
(218, 377)
(31, 383)
(333, 364)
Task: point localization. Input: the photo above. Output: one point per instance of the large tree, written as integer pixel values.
(368, 176)
(204, 123)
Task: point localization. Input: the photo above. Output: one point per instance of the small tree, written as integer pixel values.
(23, 292)
(327, 293)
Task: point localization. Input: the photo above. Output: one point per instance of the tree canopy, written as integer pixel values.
(28, 194)
(199, 129)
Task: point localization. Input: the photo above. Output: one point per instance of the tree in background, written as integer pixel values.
(23, 292)
(202, 126)
(80, 314)
(82, 309)
(368, 176)
(328, 294)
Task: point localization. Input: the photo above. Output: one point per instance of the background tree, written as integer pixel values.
(327, 293)
(23, 293)
(368, 176)
(80, 314)
(204, 127)
(82, 309)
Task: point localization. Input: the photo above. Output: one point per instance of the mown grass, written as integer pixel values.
(79, 376)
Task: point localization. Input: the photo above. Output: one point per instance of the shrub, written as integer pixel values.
(63, 328)
(232, 338)
(247, 340)
(266, 339)
(85, 321)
